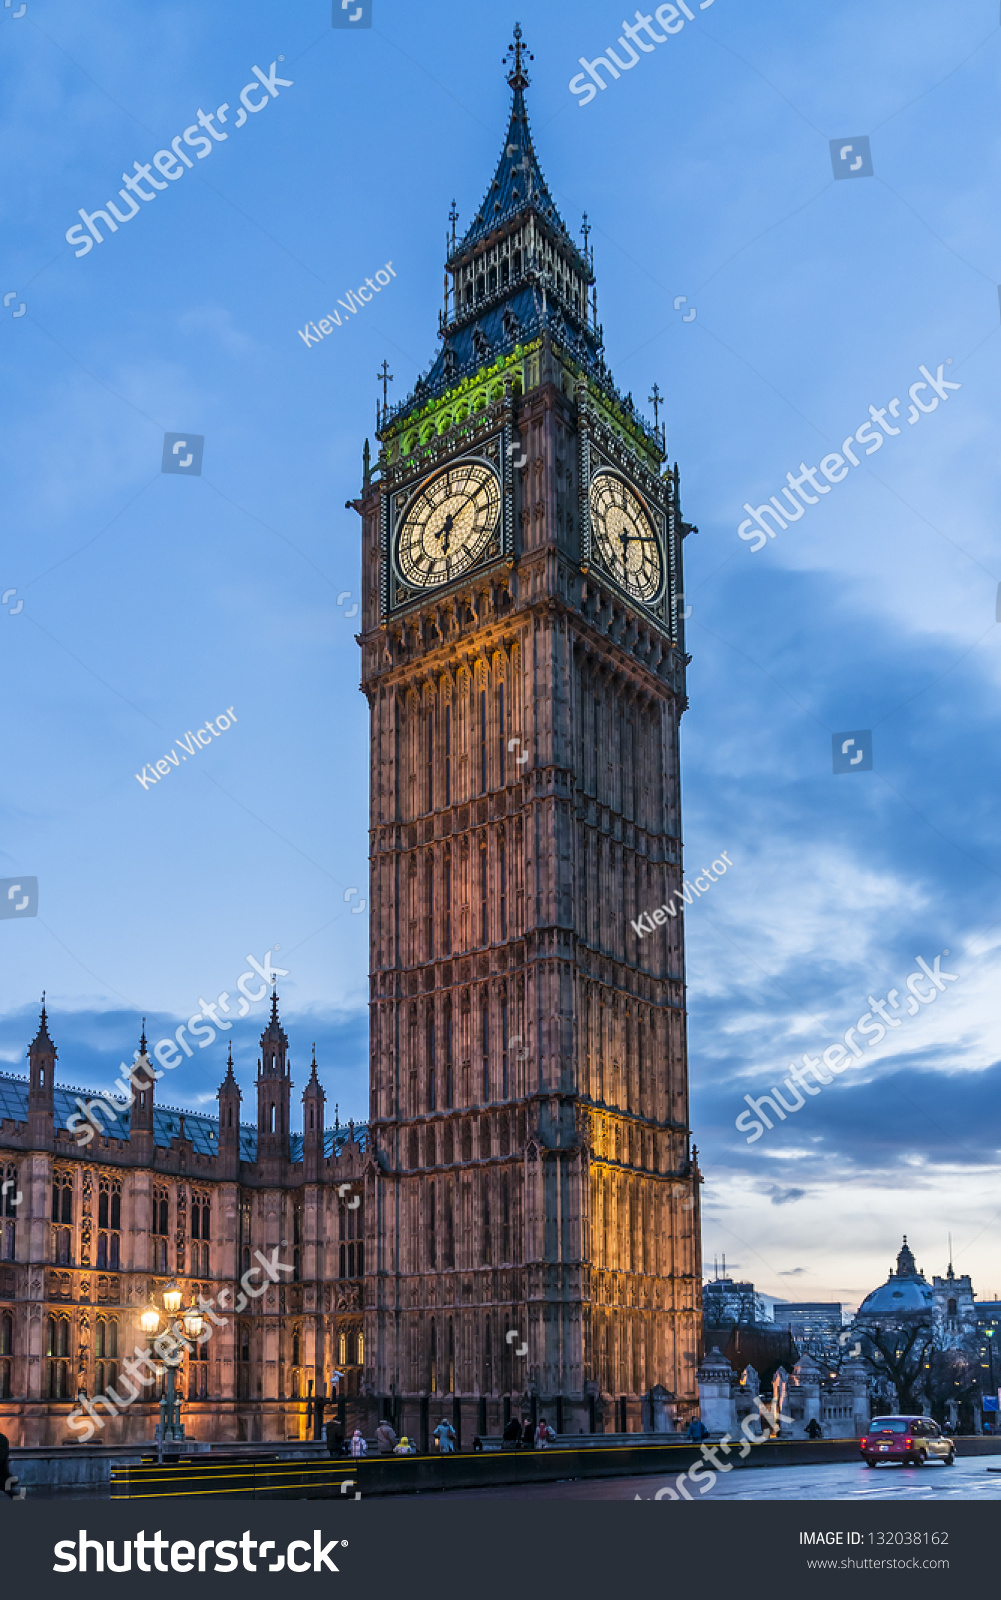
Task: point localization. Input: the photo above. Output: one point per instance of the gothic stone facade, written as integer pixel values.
(536, 1224)
(88, 1230)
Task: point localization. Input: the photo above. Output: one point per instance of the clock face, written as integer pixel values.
(448, 524)
(625, 537)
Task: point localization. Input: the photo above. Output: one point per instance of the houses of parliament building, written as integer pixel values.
(518, 1222)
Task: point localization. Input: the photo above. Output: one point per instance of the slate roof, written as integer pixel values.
(200, 1127)
(518, 183)
(518, 187)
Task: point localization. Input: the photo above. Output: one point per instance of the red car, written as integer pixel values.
(910, 1440)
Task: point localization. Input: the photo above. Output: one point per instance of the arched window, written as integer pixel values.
(62, 1197)
(951, 1308)
(6, 1352)
(429, 1059)
(58, 1343)
(492, 279)
(273, 1114)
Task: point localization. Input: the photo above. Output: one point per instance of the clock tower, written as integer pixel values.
(534, 1231)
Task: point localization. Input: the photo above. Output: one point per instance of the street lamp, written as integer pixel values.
(189, 1324)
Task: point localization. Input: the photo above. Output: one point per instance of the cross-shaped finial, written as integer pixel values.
(518, 78)
(453, 217)
(654, 400)
(387, 378)
(585, 229)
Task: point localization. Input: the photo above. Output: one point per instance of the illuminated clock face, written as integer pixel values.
(448, 524)
(624, 537)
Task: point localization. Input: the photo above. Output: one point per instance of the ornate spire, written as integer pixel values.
(517, 50)
(142, 1039)
(229, 1058)
(42, 1036)
(274, 1004)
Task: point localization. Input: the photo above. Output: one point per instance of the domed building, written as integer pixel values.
(946, 1304)
(906, 1294)
(919, 1340)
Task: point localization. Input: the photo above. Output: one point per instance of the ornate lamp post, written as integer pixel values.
(189, 1324)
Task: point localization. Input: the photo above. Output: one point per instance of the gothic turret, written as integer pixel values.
(313, 1106)
(41, 1077)
(230, 1099)
(143, 1077)
(274, 1088)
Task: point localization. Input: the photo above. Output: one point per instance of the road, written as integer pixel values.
(969, 1479)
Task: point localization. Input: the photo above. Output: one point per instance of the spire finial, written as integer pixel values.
(142, 1039)
(518, 78)
(387, 377)
(314, 1055)
(229, 1058)
(585, 229)
(274, 1004)
(337, 1115)
(453, 217)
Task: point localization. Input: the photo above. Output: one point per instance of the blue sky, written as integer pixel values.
(152, 602)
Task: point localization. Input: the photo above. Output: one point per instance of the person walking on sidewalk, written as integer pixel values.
(385, 1438)
(358, 1444)
(445, 1435)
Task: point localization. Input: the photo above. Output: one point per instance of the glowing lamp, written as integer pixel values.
(150, 1318)
(172, 1298)
(193, 1320)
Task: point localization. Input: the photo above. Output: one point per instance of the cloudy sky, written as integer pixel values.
(150, 602)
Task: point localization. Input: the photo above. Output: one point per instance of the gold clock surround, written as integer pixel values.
(448, 524)
(624, 537)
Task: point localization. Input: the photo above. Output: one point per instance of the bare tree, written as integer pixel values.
(900, 1354)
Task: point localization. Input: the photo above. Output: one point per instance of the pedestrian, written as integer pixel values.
(385, 1438)
(334, 1435)
(697, 1430)
(544, 1434)
(511, 1437)
(358, 1444)
(404, 1448)
(814, 1430)
(477, 1443)
(445, 1437)
(8, 1483)
(528, 1437)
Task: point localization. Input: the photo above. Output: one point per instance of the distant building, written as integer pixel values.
(988, 1315)
(815, 1325)
(947, 1303)
(726, 1304)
